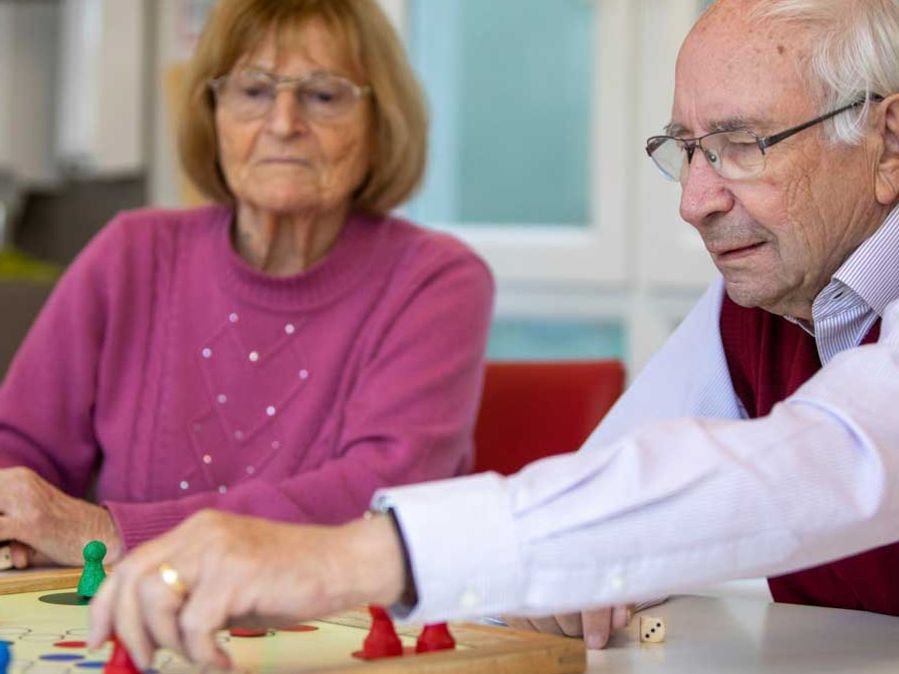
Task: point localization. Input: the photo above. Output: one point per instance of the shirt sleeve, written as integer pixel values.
(688, 376)
(675, 505)
(409, 419)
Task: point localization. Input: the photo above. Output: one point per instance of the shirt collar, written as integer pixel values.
(872, 271)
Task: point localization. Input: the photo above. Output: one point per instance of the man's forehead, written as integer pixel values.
(730, 76)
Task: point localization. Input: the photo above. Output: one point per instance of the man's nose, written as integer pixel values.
(704, 193)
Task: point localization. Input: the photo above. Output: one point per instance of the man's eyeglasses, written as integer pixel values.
(734, 155)
(250, 94)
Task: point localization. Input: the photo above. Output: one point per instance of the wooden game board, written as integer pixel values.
(34, 627)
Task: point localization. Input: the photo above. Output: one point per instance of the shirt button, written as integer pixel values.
(233, 317)
(207, 352)
(254, 356)
(184, 484)
(304, 374)
(290, 328)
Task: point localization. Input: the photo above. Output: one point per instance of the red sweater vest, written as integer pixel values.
(769, 358)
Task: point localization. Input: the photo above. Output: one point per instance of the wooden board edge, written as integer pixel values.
(491, 650)
(37, 580)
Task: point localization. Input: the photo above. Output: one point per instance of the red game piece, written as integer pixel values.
(382, 641)
(120, 662)
(435, 637)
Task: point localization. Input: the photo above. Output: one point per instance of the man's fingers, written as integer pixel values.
(597, 626)
(101, 611)
(21, 554)
(570, 624)
(621, 616)
(205, 611)
(518, 623)
(128, 623)
(547, 625)
(159, 605)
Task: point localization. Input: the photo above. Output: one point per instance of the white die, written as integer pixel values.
(5, 558)
(652, 629)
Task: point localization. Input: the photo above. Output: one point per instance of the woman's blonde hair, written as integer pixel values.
(399, 120)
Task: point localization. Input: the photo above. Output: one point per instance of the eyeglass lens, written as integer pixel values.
(731, 154)
(250, 95)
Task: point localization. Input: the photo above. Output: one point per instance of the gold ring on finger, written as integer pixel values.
(171, 578)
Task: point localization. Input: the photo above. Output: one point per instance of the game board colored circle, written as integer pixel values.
(62, 657)
(298, 628)
(91, 664)
(244, 632)
(71, 644)
(64, 599)
(40, 638)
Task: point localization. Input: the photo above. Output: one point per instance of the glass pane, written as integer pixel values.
(509, 84)
(551, 339)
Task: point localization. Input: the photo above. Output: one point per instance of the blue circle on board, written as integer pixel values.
(62, 657)
(91, 664)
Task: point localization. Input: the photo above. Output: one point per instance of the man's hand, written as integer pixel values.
(594, 626)
(225, 569)
(49, 525)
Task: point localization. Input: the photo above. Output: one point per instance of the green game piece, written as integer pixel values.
(93, 573)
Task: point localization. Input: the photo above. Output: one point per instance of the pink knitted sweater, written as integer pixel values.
(184, 379)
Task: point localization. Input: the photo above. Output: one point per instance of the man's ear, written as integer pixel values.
(886, 182)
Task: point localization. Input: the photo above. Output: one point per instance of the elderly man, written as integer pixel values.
(784, 136)
(785, 147)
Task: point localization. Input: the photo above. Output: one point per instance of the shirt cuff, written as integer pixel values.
(460, 535)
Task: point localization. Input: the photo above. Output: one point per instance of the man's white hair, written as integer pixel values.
(855, 52)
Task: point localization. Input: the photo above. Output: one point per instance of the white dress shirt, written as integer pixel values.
(682, 502)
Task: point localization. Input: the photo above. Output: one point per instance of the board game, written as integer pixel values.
(49, 638)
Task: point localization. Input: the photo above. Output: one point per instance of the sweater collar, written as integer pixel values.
(345, 266)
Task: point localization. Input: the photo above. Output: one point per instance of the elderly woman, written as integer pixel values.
(283, 352)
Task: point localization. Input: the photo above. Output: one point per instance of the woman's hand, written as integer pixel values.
(594, 626)
(227, 569)
(48, 525)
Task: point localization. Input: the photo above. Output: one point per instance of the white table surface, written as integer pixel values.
(740, 634)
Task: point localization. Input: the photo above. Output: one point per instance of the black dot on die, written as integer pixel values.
(646, 636)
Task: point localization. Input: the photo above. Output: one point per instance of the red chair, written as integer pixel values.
(530, 410)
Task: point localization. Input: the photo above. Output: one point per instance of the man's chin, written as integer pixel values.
(747, 296)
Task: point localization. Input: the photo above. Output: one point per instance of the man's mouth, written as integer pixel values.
(734, 252)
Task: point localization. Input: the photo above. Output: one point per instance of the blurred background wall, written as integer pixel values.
(539, 112)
